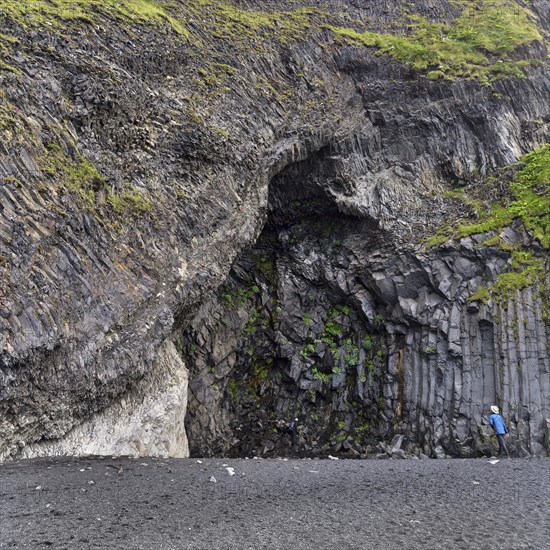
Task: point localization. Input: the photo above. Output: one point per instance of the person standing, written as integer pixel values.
(292, 429)
(499, 427)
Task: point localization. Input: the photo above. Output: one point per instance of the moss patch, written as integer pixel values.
(56, 13)
(527, 270)
(238, 25)
(529, 202)
(82, 179)
(475, 46)
(221, 20)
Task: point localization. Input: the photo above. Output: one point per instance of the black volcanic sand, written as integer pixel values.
(274, 504)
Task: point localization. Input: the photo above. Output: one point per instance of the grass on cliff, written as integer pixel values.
(223, 20)
(203, 23)
(230, 22)
(529, 203)
(475, 46)
(55, 13)
(78, 177)
(82, 179)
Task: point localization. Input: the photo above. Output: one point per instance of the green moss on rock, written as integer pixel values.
(531, 201)
(528, 202)
(81, 178)
(238, 25)
(56, 13)
(475, 46)
(527, 270)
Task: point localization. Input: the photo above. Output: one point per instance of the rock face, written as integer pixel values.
(147, 421)
(140, 170)
(364, 344)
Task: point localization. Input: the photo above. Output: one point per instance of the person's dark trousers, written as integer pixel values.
(502, 449)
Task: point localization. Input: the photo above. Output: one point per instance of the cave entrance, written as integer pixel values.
(293, 332)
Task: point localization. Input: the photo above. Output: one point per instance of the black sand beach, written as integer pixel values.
(154, 504)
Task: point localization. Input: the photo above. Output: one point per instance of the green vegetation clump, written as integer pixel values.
(475, 46)
(318, 375)
(307, 351)
(363, 429)
(130, 200)
(437, 240)
(76, 176)
(461, 195)
(529, 202)
(337, 341)
(232, 390)
(351, 353)
(6, 42)
(222, 21)
(215, 75)
(254, 380)
(10, 126)
(81, 178)
(56, 13)
(532, 191)
(266, 267)
(239, 297)
(367, 342)
(237, 25)
(527, 270)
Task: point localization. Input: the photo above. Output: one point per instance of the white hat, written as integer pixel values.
(494, 408)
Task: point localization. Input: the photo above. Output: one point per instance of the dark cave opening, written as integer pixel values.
(292, 332)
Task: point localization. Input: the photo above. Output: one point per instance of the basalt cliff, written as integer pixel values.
(219, 216)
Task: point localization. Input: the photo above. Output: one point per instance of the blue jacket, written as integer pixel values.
(497, 423)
